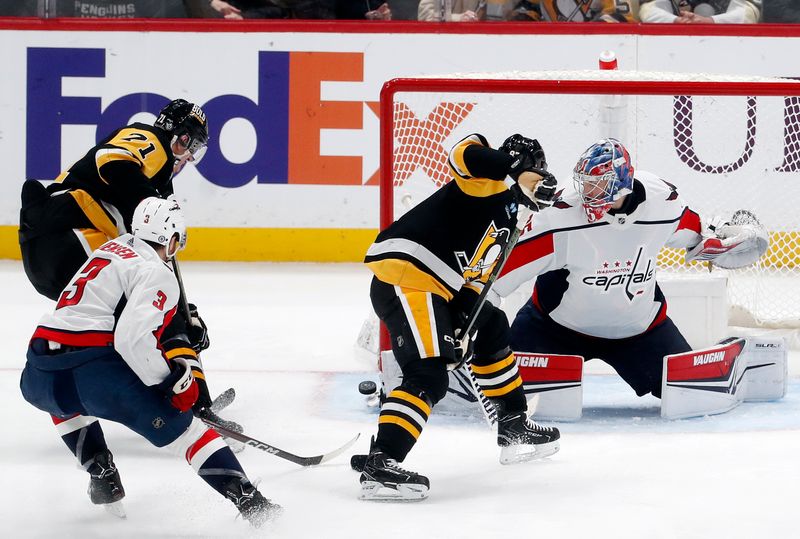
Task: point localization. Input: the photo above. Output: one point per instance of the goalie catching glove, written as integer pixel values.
(733, 244)
(539, 192)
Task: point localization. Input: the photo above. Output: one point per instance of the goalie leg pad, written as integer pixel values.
(717, 379)
(553, 385)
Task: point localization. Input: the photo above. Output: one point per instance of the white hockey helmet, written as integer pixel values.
(157, 220)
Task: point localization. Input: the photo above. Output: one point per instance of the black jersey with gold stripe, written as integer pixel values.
(456, 235)
(131, 164)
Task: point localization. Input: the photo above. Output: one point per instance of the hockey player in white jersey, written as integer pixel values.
(594, 258)
(99, 355)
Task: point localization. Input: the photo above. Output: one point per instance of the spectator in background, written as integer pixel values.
(119, 9)
(533, 10)
(373, 10)
(781, 11)
(275, 9)
(462, 11)
(701, 11)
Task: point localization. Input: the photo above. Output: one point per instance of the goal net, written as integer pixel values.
(727, 143)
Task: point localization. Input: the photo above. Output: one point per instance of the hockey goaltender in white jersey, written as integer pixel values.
(598, 278)
(593, 255)
(596, 296)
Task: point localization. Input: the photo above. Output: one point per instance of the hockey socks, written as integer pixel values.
(403, 416)
(83, 436)
(499, 379)
(216, 464)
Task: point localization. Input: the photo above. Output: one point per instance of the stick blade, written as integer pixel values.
(336, 452)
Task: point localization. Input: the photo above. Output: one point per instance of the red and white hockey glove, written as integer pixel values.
(735, 244)
(180, 386)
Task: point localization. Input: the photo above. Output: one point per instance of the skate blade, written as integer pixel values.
(116, 509)
(514, 454)
(377, 492)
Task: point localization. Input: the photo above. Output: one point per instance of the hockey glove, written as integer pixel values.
(528, 154)
(197, 330)
(460, 308)
(180, 385)
(733, 244)
(203, 396)
(542, 196)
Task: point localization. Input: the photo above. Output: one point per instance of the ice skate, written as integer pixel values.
(105, 486)
(252, 505)
(521, 440)
(382, 479)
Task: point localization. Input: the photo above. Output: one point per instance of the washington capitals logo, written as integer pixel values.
(628, 276)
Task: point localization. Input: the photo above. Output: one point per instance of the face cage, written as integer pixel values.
(598, 204)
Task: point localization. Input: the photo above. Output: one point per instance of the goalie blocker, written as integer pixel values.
(696, 383)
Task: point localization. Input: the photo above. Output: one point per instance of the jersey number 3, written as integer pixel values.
(74, 292)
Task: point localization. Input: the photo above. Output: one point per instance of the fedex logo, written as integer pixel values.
(288, 117)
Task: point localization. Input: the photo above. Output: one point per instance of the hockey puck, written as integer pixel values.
(357, 462)
(367, 387)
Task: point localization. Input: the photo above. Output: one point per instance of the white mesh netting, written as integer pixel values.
(737, 148)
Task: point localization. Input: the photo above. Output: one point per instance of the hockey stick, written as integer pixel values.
(206, 413)
(488, 409)
(252, 442)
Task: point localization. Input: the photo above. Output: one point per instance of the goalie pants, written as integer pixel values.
(638, 359)
(421, 330)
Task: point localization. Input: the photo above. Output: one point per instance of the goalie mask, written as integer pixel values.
(188, 126)
(157, 220)
(603, 174)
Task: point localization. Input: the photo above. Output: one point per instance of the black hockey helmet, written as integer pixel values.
(187, 124)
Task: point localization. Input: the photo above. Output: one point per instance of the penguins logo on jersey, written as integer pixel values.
(486, 255)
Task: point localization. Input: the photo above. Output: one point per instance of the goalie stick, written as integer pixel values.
(302, 461)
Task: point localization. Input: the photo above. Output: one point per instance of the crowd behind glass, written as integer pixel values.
(609, 11)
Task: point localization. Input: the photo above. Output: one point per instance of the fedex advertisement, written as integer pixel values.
(291, 171)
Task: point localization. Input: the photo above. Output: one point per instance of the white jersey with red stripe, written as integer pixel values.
(599, 278)
(124, 295)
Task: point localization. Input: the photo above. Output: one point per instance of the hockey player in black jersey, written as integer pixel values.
(93, 202)
(430, 266)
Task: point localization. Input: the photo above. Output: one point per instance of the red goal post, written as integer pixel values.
(726, 142)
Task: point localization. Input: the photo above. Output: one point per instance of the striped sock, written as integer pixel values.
(403, 416)
(214, 461)
(499, 379)
(83, 436)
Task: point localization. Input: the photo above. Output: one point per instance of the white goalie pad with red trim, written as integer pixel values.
(717, 379)
(553, 385)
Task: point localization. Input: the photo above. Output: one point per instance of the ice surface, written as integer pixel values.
(283, 334)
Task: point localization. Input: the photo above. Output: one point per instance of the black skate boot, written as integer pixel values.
(105, 486)
(252, 505)
(520, 439)
(382, 479)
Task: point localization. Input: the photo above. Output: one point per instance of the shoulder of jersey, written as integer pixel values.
(656, 187)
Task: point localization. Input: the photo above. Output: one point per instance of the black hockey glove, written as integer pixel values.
(460, 308)
(528, 154)
(203, 397)
(197, 330)
(543, 196)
